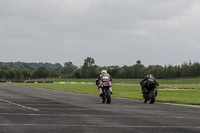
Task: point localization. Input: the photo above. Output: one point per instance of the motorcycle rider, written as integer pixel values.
(98, 81)
(143, 82)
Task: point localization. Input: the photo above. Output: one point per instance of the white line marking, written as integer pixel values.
(66, 115)
(195, 106)
(102, 116)
(109, 126)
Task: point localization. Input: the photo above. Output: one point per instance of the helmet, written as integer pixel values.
(103, 71)
(150, 76)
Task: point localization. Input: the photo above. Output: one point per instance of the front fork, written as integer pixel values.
(101, 91)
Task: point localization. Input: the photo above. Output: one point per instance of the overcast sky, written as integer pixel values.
(113, 32)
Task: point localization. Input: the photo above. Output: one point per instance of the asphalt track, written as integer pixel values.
(37, 110)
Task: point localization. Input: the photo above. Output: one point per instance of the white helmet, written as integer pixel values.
(103, 71)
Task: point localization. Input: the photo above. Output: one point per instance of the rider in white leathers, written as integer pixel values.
(98, 81)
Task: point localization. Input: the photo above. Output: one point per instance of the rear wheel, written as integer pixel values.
(152, 97)
(108, 96)
(144, 98)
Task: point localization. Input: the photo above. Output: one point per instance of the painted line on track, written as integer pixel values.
(74, 82)
(18, 105)
(95, 116)
(184, 105)
(101, 126)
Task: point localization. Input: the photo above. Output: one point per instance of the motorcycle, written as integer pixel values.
(150, 92)
(105, 85)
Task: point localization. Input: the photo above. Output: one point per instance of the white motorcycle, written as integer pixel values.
(105, 85)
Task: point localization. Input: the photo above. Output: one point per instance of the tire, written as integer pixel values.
(144, 99)
(152, 97)
(108, 96)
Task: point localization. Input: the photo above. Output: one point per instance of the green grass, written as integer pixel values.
(179, 96)
(132, 91)
(179, 86)
(180, 81)
(128, 81)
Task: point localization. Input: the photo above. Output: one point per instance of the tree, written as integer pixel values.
(2, 74)
(87, 67)
(54, 73)
(19, 76)
(69, 68)
(66, 64)
(138, 62)
(11, 75)
(121, 73)
(28, 67)
(57, 65)
(4, 66)
(155, 70)
(195, 69)
(41, 72)
(77, 73)
(177, 70)
(184, 69)
(27, 73)
(140, 70)
(94, 72)
(113, 71)
(170, 72)
(130, 72)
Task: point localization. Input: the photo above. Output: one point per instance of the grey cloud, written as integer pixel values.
(125, 30)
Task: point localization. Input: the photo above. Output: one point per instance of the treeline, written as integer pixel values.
(19, 71)
(33, 66)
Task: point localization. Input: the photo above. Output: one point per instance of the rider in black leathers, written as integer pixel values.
(143, 82)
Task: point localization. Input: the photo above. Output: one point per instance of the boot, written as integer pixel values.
(100, 92)
(111, 90)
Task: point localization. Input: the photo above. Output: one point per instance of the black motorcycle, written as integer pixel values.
(149, 91)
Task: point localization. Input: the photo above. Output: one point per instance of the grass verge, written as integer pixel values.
(129, 81)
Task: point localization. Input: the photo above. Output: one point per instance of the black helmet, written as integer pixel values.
(150, 76)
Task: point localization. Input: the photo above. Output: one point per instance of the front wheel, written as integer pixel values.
(108, 96)
(103, 99)
(144, 100)
(152, 97)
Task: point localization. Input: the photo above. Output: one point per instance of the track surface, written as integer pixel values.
(29, 109)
